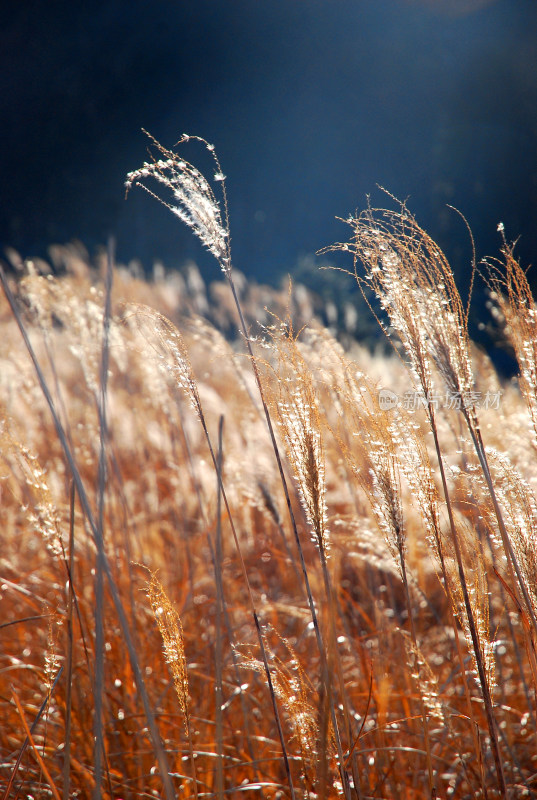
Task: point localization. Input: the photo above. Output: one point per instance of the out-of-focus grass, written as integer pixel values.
(160, 514)
(383, 693)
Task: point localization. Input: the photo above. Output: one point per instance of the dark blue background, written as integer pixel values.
(310, 104)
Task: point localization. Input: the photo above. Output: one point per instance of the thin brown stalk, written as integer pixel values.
(69, 648)
(254, 613)
(35, 749)
(320, 644)
(385, 494)
(99, 746)
(415, 285)
(218, 657)
(29, 732)
(483, 680)
(195, 204)
(297, 410)
(174, 347)
(171, 631)
(425, 722)
(519, 585)
(216, 556)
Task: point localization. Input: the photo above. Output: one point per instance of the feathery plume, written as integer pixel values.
(170, 350)
(415, 286)
(300, 423)
(512, 296)
(194, 200)
(171, 631)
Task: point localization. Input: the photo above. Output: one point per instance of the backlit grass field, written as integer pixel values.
(275, 567)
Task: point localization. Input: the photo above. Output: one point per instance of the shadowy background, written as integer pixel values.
(310, 104)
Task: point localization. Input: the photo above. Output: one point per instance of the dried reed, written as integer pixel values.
(373, 611)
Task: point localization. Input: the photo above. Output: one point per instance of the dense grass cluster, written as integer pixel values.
(270, 568)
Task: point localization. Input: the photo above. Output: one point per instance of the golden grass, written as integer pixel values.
(362, 631)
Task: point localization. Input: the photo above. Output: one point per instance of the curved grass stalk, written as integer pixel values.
(415, 286)
(195, 203)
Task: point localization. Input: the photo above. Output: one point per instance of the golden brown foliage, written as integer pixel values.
(367, 492)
